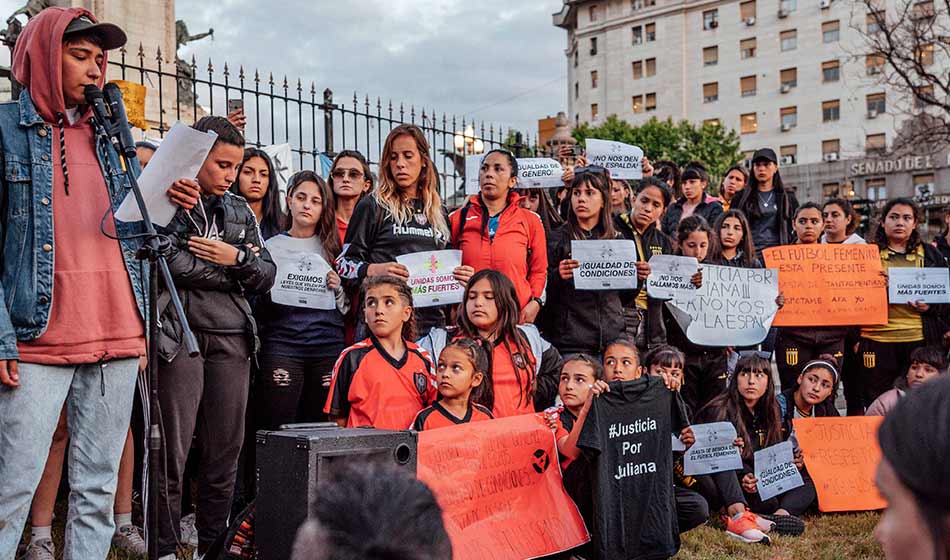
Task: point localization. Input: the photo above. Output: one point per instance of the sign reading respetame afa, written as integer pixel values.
(431, 279)
(734, 306)
(605, 264)
(929, 285)
(623, 161)
(539, 173)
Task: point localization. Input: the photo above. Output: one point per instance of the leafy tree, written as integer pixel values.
(682, 142)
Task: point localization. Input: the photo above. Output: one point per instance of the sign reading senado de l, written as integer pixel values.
(896, 165)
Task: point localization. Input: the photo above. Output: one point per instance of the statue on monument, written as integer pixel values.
(14, 27)
(186, 73)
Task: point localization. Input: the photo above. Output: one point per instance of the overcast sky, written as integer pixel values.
(498, 60)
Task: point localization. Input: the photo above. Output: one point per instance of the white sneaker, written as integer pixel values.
(42, 549)
(129, 539)
(169, 557)
(189, 535)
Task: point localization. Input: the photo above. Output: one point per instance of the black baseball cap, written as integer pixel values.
(111, 36)
(766, 154)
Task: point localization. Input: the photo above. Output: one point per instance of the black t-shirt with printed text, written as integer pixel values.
(627, 435)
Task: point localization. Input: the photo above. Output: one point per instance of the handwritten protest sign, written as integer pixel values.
(605, 264)
(472, 165)
(301, 274)
(430, 277)
(841, 455)
(829, 285)
(734, 307)
(776, 471)
(539, 173)
(929, 285)
(500, 489)
(622, 160)
(670, 276)
(713, 451)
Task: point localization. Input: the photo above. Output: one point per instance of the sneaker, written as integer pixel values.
(787, 525)
(42, 549)
(129, 539)
(746, 528)
(189, 535)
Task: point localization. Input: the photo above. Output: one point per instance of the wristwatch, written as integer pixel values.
(537, 299)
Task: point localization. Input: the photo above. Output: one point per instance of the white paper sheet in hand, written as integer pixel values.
(929, 285)
(624, 161)
(539, 173)
(180, 155)
(670, 276)
(713, 451)
(776, 471)
(301, 274)
(609, 264)
(430, 277)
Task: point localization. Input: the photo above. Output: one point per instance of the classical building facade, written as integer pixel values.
(787, 74)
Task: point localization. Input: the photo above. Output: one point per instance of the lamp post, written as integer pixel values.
(466, 143)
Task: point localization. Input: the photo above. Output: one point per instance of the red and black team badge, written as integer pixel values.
(421, 381)
(870, 360)
(791, 356)
(518, 360)
(421, 219)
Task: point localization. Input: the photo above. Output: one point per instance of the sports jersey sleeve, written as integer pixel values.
(352, 263)
(537, 256)
(338, 402)
(432, 392)
(419, 423)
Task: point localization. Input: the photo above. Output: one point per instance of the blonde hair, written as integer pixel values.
(387, 193)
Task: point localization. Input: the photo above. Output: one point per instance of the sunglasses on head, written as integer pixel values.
(599, 169)
(757, 353)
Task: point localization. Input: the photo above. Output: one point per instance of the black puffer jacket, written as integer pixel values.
(214, 296)
(654, 242)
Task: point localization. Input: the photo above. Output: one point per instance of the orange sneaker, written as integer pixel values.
(745, 527)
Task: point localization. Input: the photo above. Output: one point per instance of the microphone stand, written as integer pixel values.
(155, 247)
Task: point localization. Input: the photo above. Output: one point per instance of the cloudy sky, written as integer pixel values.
(498, 60)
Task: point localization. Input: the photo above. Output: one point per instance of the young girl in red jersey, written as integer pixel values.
(385, 380)
(461, 371)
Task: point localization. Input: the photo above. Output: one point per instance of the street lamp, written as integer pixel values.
(466, 143)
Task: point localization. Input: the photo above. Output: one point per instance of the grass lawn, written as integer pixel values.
(827, 537)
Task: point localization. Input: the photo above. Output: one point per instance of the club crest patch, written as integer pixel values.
(420, 380)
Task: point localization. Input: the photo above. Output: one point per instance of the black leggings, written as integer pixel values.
(723, 489)
(291, 390)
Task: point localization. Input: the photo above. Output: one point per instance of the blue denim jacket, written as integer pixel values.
(26, 223)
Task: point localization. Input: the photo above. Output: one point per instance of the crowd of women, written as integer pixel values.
(525, 338)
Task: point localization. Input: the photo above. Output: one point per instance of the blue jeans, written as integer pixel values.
(98, 406)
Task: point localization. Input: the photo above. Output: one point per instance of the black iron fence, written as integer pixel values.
(281, 110)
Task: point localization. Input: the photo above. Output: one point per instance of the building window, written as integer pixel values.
(593, 79)
(788, 155)
(874, 64)
(593, 111)
(650, 102)
(577, 90)
(876, 104)
(594, 12)
(747, 48)
(640, 4)
(651, 32)
(830, 147)
(747, 86)
(789, 78)
(830, 71)
(874, 21)
(830, 190)
(789, 116)
(593, 46)
(710, 19)
(651, 67)
(925, 54)
(711, 122)
(789, 40)
(747, 12)
(924, 185)
(788, 5)
(576, 53)
(637, 103)
(637, 69)
(637, 35)
(877, 188)
(924, 94)
(830, 31)
(748, 123)
(831, 111)
(710, 56)
(875, 144)
(711, 92)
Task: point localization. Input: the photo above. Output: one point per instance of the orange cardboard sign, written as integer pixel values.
(829, 285)
(500, 488)
(841, 455)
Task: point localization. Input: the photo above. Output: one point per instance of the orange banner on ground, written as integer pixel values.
(841, 455)
(829, 285)
(500, 488)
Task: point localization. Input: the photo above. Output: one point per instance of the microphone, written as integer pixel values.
(123, 133)
(95, 100)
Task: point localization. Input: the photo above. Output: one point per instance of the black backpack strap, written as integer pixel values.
(463, 213)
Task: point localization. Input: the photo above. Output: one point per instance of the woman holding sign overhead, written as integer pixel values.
(493, 231)
(403, 215)
(583, 321)
(301, 338)
(884, 350)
